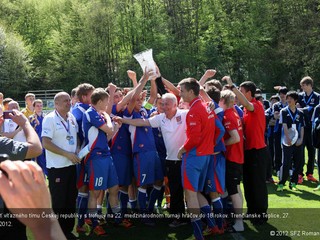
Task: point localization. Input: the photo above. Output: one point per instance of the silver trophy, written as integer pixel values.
(145, 60)
(293, 135)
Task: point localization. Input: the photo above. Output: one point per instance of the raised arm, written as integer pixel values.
(34, 144)
(153, 92)
(241, 98)
(138, 90)
(133, 76)
(208, 74)
(170, 86)
(111, 89)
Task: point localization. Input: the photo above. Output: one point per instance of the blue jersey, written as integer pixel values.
(289, 118)
(94, 137)
(277, 108)
(308, 103)
(239, 111)
(142, 138)
(121, 142)
(78, 111)
(36, 123)
(158, 138)
(220, 130)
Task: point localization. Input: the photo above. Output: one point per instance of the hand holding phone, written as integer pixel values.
(6, 114)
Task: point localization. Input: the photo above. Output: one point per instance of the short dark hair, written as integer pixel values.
(292, 94)
(214, 82)
(191, 84)
(249, 86)
(98, 94)
(275, 97)
(283, 90)
(37, 101)
(73, 92)
(6, 101)
(258, 91)
(214, 93)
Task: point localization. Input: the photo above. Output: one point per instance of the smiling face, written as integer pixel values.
(118, 96)
(139, 102)
(169, 106)
(38, 107)
(185, 94)
(159, 105)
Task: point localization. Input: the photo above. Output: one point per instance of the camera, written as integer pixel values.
(6, 114)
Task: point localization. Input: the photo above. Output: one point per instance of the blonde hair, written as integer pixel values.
(228, 97)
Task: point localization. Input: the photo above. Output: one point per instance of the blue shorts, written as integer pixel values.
(216, 174)
(124, 167)
(194, 170)
(147, 168)
(102, 173)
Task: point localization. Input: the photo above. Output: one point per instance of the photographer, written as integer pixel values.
(19, 193)
(18, 150)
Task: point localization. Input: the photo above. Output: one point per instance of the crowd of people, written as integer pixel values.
(195, 142)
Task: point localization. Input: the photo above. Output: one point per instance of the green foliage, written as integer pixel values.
(15, 68)
(74, 41)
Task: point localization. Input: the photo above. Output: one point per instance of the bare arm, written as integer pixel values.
(111, 89)
(123, 103)
(208, 74)
(241, 98)
(11, 134)
(286, 133)
(108, 128)
(153, 92)
(234, 137)
(138, 90)
(50, 146)
(25, 192)
(134, 122)
(171, 87)
(34, 144)
(205, 97)
(300, 139)
(133, 76)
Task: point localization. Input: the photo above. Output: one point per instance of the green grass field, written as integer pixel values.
(292, 215)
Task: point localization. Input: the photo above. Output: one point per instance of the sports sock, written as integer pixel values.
(82, 205)
(123, 198)
(133, 203)
(154, 194)
(197, 228)
(142, 199)
(206, 210)
(218, 211)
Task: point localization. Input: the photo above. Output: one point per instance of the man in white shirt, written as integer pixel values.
(173, 127)
(59, 138)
